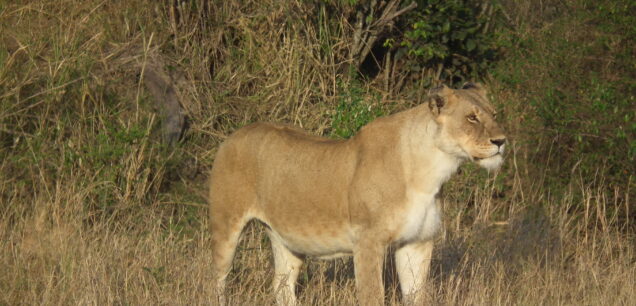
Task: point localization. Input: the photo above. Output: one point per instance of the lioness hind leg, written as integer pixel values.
(225, 237)
(287, 266)
(412, 263)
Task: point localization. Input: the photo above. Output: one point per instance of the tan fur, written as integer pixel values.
(328, 198)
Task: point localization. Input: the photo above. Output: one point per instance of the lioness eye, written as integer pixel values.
(472, 118)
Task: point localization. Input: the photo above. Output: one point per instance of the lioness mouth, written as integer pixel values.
(480, 158)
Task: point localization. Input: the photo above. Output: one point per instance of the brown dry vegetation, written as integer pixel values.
(95, 210)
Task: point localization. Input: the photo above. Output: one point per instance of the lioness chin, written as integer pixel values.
(328, 198)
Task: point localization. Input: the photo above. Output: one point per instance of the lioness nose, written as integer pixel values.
(498, 142)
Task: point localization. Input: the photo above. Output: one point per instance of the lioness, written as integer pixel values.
(328, 198)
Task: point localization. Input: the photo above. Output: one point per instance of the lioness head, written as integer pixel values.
(467, 124)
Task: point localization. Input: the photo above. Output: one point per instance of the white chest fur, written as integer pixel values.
(422, 218)
(429, 159)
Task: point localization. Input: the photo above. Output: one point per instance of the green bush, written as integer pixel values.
(450, 39)
(354, 110)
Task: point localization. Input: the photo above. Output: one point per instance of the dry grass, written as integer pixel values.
(533, 256)
(93, 210)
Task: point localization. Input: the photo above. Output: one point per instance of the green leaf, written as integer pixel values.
(446, 27)
(470, 45)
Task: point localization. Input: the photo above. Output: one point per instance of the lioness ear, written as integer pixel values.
(475, 86)
(438, 99)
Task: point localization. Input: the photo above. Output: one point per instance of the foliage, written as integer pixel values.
(448, 38)
(354, 110)
(577, 77)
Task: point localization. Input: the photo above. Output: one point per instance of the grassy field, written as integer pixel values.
(96, 207)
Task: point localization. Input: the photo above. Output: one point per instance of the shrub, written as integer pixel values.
(446, 40)
(354, 109)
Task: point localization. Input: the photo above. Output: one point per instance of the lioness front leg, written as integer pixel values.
(368, 260)
(412, 263)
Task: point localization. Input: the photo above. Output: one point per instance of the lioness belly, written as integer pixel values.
(316, 242)
(309, 221)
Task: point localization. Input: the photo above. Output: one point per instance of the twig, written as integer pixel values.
(364, 39)
(184, 203)
(386, 19)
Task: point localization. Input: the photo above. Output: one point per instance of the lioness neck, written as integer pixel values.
(426, 165)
